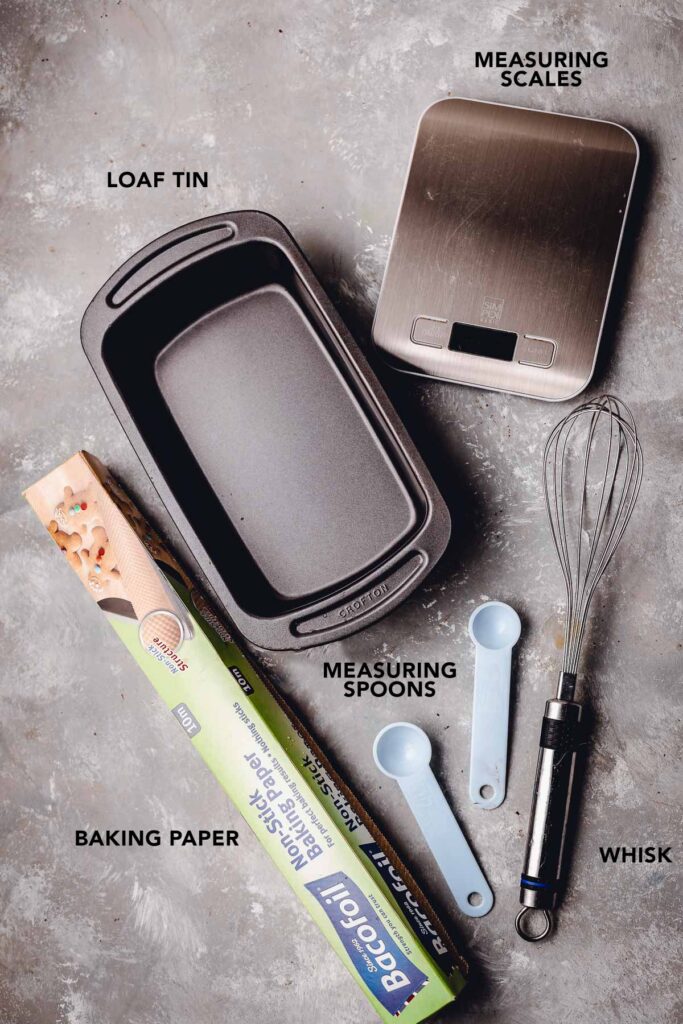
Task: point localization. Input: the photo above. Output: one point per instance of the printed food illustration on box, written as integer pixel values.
(91, 524)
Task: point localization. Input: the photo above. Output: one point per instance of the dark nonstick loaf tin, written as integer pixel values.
(269, 439)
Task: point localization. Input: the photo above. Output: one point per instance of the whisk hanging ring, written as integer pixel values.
(521, 928)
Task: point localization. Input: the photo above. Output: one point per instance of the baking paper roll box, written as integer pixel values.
(318, 835)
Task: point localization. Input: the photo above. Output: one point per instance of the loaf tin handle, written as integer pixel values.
(157, 259)
(363, 604)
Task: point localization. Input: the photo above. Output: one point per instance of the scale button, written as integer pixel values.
(429, 330)
(536, 351)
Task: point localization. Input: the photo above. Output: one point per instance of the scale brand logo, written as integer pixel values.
(492, 309)
(387, 972)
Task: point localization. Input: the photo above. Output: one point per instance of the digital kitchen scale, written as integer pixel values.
(505, 247)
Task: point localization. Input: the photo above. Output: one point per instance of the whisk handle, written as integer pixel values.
(542, 877)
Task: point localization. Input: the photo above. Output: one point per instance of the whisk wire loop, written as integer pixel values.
(595, 448)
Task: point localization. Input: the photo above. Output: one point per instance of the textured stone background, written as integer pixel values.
(308, 110)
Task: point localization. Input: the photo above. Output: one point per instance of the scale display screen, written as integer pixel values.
(482, 341)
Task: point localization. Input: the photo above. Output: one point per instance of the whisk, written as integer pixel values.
(592, 469)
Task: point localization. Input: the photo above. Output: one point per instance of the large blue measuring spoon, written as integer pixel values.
(403, 752)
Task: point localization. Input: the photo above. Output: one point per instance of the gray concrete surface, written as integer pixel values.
(308, 110)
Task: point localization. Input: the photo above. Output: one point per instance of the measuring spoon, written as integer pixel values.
(495, 629)
(403, 752)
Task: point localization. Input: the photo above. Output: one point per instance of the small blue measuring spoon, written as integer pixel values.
(403, 752)
(495, 629)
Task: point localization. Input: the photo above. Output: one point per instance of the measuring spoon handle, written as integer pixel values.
(490, 715)
(447, 842)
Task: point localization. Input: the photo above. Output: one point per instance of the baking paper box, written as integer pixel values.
(338, 864)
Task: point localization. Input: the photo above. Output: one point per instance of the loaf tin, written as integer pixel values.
(280, 459)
